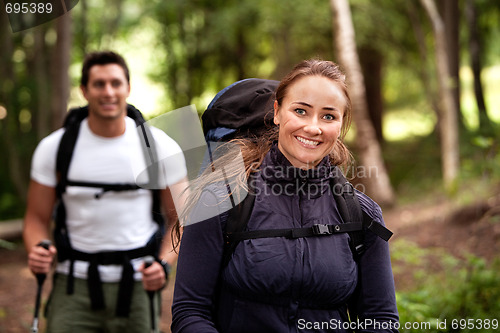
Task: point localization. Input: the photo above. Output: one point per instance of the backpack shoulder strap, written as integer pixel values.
(67, 145)
(150, 152)
(236, 222)
(349, 209)
(148, 144)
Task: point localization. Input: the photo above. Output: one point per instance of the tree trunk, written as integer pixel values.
(41, 118)
(60, 69)
(448, 121)
(378, 185)
(451, 17)
(371, 63)
(423, 70)
(475, 58)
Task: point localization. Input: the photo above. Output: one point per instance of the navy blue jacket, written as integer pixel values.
(279, 284)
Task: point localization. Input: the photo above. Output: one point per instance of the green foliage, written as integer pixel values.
(489, 15)
(209, 45)
(445, 288)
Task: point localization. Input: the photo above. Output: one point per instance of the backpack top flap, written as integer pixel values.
(245, 105)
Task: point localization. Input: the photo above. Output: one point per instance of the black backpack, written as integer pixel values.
(61, 236)
(244, 109)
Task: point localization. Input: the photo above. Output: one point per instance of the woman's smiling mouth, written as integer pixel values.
(307, 142)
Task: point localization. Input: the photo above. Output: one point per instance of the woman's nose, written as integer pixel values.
(313, 129)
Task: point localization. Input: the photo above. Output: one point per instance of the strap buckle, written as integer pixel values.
(321, 229)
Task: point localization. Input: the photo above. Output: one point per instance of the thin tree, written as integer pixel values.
(368, 147)
(448, 130)
(451, 20)
(475, 59)
(423, 70)
(60, 70)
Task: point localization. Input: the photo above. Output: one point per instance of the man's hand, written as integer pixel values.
(40, 260)
(153, 277)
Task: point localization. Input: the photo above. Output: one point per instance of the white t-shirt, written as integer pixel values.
(116, 220)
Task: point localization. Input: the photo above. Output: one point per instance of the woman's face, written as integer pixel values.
(310, 120)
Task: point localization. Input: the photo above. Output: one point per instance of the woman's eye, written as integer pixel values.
(300, 111)
(329, 117)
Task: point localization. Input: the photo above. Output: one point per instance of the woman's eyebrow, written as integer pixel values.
(303, 103)
(328, 108)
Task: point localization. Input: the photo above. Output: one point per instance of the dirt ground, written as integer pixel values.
(474, 229)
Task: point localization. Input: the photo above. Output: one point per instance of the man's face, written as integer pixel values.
(107, 91)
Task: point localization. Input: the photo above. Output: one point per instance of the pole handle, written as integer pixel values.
(40, 277)
(148, 261)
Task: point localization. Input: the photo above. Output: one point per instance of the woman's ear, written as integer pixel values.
(276, 109)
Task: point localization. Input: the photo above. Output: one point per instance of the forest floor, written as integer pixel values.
(474, 229)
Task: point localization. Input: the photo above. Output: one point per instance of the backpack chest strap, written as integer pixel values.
(106, 187)
(314, 231)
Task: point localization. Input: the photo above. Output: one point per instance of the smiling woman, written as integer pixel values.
(272, 281)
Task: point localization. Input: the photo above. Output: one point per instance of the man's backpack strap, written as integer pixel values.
(151, 157)
(65, 153)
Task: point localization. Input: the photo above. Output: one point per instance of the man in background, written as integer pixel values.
(105, 224)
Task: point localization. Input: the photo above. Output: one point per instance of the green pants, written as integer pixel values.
(72, 313)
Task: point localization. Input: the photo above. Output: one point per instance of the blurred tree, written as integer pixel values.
(380, 48)
(475, 61)
(60, 71)
(371, 60)
(448, 117)
(425, 70)
(378, 185)
(450, 13)
(34, 69)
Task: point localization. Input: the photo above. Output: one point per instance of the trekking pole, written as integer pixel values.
(40, 278)
(148, 261)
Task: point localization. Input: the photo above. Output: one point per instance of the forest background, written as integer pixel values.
(424, 77)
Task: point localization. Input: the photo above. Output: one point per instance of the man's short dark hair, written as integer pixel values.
(102, 58)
